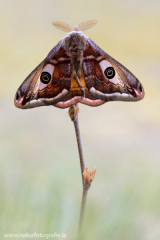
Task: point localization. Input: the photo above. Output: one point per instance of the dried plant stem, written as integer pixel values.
(87, 176)
(85, 187)
(83, 206)
(78, 136)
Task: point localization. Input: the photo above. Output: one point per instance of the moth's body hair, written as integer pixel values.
(75, 44)
(73, 32)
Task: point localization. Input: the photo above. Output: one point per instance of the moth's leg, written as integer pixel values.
(68, 103)
(92, 103)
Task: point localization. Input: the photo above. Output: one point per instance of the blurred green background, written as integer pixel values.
(40, 180)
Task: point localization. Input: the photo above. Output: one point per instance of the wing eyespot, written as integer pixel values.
(109, 72)
(45, 77)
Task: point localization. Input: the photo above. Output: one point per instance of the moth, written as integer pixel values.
(77, 70)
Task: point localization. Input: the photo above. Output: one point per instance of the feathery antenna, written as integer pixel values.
(62, 26)
(81, 27)
(86, 25)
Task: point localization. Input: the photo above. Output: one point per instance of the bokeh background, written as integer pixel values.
(40, 180)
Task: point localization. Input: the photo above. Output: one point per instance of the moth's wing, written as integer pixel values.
(48, 84)
(107, 79)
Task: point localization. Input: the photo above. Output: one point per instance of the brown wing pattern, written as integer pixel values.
(61, 79)
(95, 78)
(98, 65)
(52, 83)
(56, 68)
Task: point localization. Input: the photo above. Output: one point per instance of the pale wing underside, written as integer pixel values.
(62, 26)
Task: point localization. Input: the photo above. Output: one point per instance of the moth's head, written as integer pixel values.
(75, 28)
(74, 41)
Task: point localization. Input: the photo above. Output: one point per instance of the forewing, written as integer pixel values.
(48, 83)
(107, 79)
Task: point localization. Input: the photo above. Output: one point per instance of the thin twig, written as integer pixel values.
(87, 176)
(83, 207)
(78, 136)
(82, 163)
